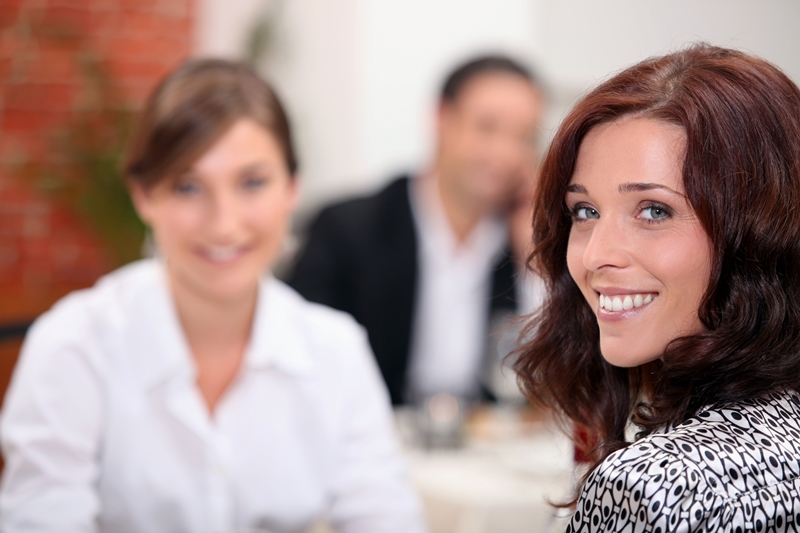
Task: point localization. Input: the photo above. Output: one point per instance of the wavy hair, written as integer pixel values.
(741, 117)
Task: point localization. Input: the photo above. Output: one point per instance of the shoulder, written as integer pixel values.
(370, 207)
(648, 488)
(322, 343)
(321, 319)
(87, 313)
(66, 346)
(323, 329)
(707, 474)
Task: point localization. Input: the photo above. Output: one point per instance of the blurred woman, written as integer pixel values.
(192, 393)
(667, 228)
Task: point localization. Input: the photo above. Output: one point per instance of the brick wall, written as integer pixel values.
(46, 47)
(46, 249)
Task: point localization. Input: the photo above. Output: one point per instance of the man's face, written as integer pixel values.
(487, 138)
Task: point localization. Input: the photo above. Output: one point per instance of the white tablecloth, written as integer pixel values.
(499, 482)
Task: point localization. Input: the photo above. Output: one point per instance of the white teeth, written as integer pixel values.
(222, 254)
(627, 303)
(624, 303)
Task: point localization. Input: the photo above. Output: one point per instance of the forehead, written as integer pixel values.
(244, 143)
(631, 150)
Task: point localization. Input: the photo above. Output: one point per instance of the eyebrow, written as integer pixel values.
(639, 187)
(626, 187)
(248, 167)
(256, 165)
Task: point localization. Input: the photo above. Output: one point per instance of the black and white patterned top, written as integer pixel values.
(731, 469)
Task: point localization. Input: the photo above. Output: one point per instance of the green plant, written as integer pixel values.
(89, 150)
(82, 169)
(261, 38)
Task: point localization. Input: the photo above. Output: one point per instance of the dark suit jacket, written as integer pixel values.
(361, 258)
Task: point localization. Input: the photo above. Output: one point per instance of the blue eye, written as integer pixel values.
(584, 213)
(186, 188)
(655, 212)
(254, 183)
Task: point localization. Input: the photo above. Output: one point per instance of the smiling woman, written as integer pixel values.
(220, 223)
(194, 392)
(628, 208)
(667, 228)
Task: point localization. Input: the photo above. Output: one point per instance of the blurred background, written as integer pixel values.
(360, 79)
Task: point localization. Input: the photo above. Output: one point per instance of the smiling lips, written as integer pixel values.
(222, 254)
(624, 302)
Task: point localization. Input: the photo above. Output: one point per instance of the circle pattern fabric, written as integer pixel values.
(731, 469)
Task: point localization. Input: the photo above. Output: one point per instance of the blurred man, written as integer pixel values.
(424, 264)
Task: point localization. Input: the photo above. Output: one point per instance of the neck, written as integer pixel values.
(214, 326)
(462, 214)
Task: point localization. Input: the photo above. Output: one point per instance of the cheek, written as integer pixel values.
(176, 222)
(271, 216)
(684, 273)
(472, 144)
(687, 268)
(575, 265)
(697, 269)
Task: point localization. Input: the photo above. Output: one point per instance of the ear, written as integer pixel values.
(295, 191)
(443, 116)
(447, 122)
(142, 201)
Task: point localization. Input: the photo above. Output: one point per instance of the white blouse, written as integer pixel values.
(104, 428)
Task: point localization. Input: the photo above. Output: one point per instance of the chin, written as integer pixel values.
(233, 286)
(619, 354)
(231, 291)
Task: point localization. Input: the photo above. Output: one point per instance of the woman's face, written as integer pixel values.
(221, 224)
(636, 249)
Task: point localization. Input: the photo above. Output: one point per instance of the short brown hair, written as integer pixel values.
(478, 66)
(741, 173)
(194, 106)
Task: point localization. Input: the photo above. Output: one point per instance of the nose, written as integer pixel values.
(508, 152)
(607, 246)
(223, 215)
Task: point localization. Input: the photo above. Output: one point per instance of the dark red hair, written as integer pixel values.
(741, 172)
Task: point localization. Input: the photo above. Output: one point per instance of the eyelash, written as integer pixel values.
(189, 188)
(185, 188)
(255, 182)
(657, 205)
(573, 212)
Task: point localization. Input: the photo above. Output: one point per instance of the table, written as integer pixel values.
(500, 481)
(512, 463)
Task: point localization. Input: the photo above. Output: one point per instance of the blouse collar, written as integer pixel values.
(159, 348)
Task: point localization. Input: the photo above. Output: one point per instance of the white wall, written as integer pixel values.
(407, 48)
(220, 24)
(312, 61)
(360, 76)
(583, 41)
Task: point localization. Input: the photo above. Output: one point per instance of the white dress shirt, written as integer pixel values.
(104, 428)
(455, 283)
